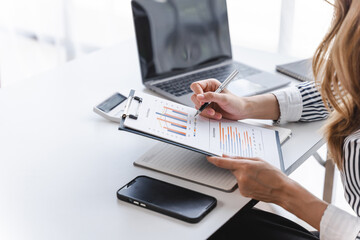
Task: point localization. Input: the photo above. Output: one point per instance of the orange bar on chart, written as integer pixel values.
(172, 116)
(223, 134)
(175, 131)
(179, 125)
(220, 131)
(183, 113)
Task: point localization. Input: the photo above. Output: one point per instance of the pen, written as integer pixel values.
(219, 90)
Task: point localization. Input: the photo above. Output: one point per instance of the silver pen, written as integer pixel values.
(219, 90)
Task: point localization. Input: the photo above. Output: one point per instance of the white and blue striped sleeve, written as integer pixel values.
(335, 223)
(301, 103)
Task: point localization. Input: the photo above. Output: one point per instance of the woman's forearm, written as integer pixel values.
(293, 197)
(303, 204)
(262, 107)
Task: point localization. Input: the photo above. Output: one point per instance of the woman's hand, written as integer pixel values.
(224, 104)
(230, 106)
(259, 180)
(256, 178)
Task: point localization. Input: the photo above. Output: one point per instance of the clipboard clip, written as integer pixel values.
(127, 107)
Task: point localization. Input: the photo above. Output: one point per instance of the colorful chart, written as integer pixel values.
(173, 121)
(236, 142)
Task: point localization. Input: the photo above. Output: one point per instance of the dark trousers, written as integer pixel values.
(257, 224)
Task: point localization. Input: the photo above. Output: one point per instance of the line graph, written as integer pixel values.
(173, 120)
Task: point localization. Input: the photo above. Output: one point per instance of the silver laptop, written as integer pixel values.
(183, 41)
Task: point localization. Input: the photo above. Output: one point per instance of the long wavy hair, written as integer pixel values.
(336, 67)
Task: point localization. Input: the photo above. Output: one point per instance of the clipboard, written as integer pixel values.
(138, 100)
(135, 102)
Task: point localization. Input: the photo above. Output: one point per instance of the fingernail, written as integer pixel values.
(201, 96)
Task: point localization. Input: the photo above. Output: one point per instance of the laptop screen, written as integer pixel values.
(176, 36)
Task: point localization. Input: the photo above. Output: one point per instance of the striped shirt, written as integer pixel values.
(303, 103)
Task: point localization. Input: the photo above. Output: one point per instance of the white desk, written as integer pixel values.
(61, 164)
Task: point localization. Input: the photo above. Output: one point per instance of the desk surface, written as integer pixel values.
(61, 164)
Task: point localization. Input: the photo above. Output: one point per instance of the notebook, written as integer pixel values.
(300, 70)
(193, 166)
(183, 41)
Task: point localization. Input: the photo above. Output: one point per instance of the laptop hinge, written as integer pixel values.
(156, 81)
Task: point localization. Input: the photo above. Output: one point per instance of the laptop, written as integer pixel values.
(183, 41)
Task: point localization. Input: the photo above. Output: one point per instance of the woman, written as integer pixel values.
(336, 96)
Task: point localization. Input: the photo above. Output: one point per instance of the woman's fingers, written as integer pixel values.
(211, 113)
(196, 88)
(219, 98)
(203, 93)
(243, 158)
(208, 85)
(195, 101)
(227, 163)
(256, 178)
(208, 112)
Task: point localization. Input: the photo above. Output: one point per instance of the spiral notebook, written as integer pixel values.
(300, 70)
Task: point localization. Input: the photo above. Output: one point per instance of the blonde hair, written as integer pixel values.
(336, 66)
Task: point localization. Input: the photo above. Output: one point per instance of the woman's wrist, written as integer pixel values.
(246, 107)
(300, 202)
(261, 107)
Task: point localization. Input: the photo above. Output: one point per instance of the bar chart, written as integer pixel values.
(236, 141)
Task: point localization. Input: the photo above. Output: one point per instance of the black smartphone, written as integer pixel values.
(166, 198)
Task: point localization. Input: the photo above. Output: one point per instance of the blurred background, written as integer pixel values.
(37, 35)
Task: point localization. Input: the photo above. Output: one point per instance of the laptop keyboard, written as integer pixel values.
(181, 86)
